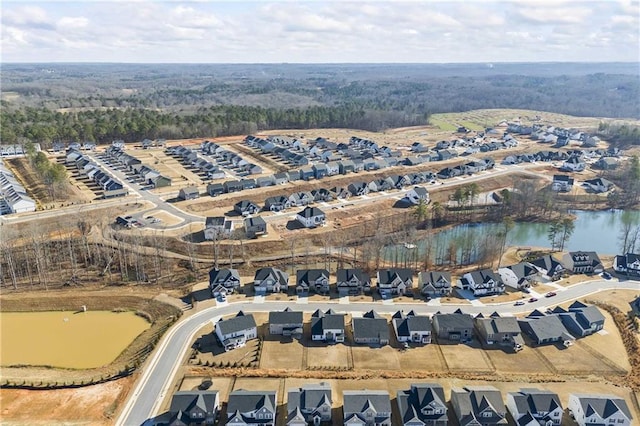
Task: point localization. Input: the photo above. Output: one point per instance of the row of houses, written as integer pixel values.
(15, 150)
(110, 185)
(423, 404)
(149, 175)
(466, 169)
(190, 158)
(556, 326)
(76, 146)
(399, 281)
(229, 159)
(13, 195)
(564, 183)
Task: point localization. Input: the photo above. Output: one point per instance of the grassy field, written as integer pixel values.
(67, 339)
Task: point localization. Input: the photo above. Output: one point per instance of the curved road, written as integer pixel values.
(161, 367)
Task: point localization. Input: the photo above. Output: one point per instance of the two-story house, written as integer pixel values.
(223, 281)
(234, 332)
(327, 326)
(482, 283)
(535, 407)
(423, 405)
(352, 282)
(412, 328)
(270, 280)
(583, 262)
(194, 407)
(518, 276)
(591, 409)
(217, 228)
(582, 320)
(394, 281)
(548, 267)
(366, 408)
(255, 226)
(246, 408)
(309, 405)
(434, 283)
(628, 264)
(478, 405)
(503, 331)
(311, 217)
(286, 323)
(456, 327)
(312, 279)
(371, 329)
(562, 183)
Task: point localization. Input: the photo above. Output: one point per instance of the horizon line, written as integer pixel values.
(317, 63)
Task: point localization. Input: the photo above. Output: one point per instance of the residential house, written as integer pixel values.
(545, 329)
(597, 185)
(417, 194)
(194, 407)
(548, 267)
(327, 326)
(223, 281)
(321, 195)
(346, 166)
(255, 226)
(456, 327)
(316, 279)
(503, 331)
(358, 188)
(286, 323)
(188, 193)
(574, 164)
(309, 405)
(281, 178)
(606, 163)
(395, 281)
(352, 282)
(246, 408)
(340, 193)
(333, 168)
(582, 262)
(232, 186)
(590, 142)
(562, 183)
(270, 280)
(277, 203)
(371, 329)
(628, 264)
(411, 328)
(423, 405)
(478, 406)
(535, 407)
(366, 408)
(518, 276)
(217, 228)
(246, 208)
(582, 320)
(302, 198)
(483, 283)
(264, 181)
(160, 181)
(215, 189)
(591, 409)
(311, 217)
(434, 283)
(235, 332)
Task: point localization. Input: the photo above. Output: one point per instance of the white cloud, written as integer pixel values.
(69, 22)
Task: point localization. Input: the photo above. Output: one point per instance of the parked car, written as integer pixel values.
(533, 299)
(518, 303)
(222, 297)
(606, 275)
(550, 294)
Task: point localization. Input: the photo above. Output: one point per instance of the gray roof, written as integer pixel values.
(355, 401)
(535, 401)
(255, 221)
(343, 275)
(547, 262)
(433, 276)
(245, 401)
(311, 212)
(326, 321)
(546, 327)
(215, 221)
(603, 405)
(386, 276)
(498, 325)
(309, 397)
(523, 270)
(421, 395)
(285, 317)
(408, 325)
(370, 328)
(454, 321)
(310, 275)
(264, 273)
(186, 400)
(218, 276)
(238, 323)
(470, 401)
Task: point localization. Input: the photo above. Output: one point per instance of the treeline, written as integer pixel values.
(620, 134)
(53, 175)
(43, 125)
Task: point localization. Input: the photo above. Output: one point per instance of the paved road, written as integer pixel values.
(161, 367)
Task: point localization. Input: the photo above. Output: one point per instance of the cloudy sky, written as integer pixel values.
(320, 31)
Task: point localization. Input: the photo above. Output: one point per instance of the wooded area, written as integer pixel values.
(105, 102)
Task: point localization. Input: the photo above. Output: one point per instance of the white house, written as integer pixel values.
(628, 264)
(217, 228)
(574, 164)
(235, 332)
(518, 276)
(599, 409)
(598, 185)
(417, 194)
(535, 407)
(562, 183)
(311, 217)
(482, 283)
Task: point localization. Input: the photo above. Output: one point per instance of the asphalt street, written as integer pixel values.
(159, 370)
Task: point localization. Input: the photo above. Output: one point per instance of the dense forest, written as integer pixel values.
(103, 102)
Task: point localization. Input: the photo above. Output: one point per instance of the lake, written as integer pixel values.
(67, 339)
(597, 231)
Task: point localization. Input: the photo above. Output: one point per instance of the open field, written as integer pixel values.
(72, 339)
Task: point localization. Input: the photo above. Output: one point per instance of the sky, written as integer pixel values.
(156, 31)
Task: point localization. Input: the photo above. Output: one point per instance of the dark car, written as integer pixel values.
(606, 275)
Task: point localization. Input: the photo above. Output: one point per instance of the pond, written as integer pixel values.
(67, 339)
(597, 231)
